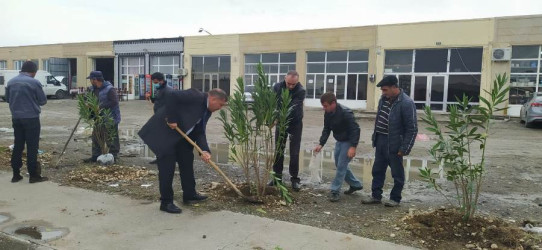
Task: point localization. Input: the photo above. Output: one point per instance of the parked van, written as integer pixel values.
(52, 87)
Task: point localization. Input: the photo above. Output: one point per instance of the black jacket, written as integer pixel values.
(402, 125)
(343, 125)
(159, 100)
(298, 96)
(186, 108)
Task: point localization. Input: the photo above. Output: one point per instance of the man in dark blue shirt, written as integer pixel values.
(25, 96)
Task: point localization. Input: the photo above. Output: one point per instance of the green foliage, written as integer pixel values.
(99, 120)
(249, 129)
(466, 131)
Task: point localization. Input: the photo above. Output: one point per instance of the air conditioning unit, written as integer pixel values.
(501, 54)
(182, 71)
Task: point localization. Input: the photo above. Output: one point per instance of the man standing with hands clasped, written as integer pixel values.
(393, 137)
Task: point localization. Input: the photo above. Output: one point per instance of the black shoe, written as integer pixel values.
(90, 160)
(170, 208)
(155, 161)
(37, 179)
(351, 190)
(194, 199)
(296, 185)
(16, 178)
(272, 183)
(334, 197)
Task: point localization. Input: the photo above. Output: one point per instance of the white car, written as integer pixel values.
(52, 86)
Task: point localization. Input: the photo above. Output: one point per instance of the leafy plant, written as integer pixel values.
(249, 129)
(467, 130)
(99, 120)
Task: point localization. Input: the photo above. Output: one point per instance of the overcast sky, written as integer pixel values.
(29, 22)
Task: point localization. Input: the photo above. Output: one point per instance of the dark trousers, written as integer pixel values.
(383, 159)
(184, 156)
(114, 146)
(27, 131)
(294, 132)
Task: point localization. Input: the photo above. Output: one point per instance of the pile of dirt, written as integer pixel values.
(109, 174)
(223, 192)
(442, 229)
(5, 158)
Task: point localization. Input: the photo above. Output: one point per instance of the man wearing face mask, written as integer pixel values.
(294, 129)
(159, 98)
(25, 96)
(189, 110)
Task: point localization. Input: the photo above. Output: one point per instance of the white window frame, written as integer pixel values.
(277, 75)
(160, 67)
(538, 74)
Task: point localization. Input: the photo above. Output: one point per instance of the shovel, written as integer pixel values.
(247, 198)
(67, 142)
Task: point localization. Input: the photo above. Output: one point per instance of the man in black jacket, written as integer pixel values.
(346, 132)
(189, 110)
(393, 137)
(294, 129)
(159, 98)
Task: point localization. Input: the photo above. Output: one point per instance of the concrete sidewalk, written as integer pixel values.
(101, 221)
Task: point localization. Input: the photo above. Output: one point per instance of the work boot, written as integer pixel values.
(334, 197)
(36, 179)
(170, 208)
(194, 199)
(351, 190)
(272, 183)
(16, 177)
(296, 185)
(370, 200)
(391, 203)
(90, 160)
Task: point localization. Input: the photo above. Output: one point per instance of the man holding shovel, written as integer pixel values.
(189, 110)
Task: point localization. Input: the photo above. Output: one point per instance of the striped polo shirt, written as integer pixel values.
(383, 116)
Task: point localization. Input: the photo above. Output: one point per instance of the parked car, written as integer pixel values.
(52, 87)
(531, 111)
(249, 90)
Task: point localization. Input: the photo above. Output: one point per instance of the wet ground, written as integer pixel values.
(511, 190)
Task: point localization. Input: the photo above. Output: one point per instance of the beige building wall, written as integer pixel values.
(83, 52)
(446, 34)
(212, 45)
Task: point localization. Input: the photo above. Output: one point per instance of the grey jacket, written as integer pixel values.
(25, 96)
(402, 125)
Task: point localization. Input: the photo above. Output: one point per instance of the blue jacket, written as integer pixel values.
(108, 98)
(25, 96)
(402, 125)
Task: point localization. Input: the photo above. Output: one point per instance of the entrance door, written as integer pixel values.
(430, 90)
(130, 87)
(210, 81)
(337, 84)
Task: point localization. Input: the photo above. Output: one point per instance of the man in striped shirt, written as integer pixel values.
(394, 135)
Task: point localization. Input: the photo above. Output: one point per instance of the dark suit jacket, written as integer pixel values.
(186, 108)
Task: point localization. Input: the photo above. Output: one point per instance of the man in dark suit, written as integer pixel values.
(189, 110)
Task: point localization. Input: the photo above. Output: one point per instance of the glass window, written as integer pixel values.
(362, 86)
(197, 81)
(315, 68)
(319, 88)
(336, 56)
(310, 86)
(252, 58)
(316, 56)
(358, 55)
(3, 64)
(225, 64)
(197, 64)
(463, 84)
(287, 57)
(351, 87)
(357, 67)
(431, 60)
(520, 52)
(466, 60)
(336, 67)
(270, 58)
(224, 82)
(210, 64)
(398, 61)
(524, 66)
(284, 68)
(405, 83)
